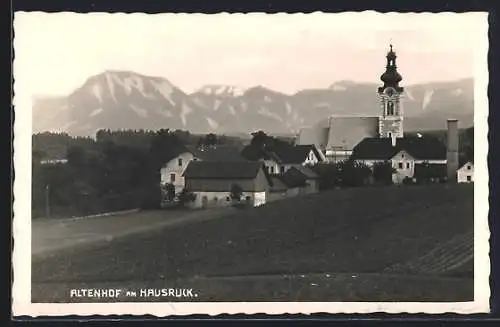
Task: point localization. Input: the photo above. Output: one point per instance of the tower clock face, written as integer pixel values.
(389, 91)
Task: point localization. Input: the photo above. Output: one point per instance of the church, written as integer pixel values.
(381, 138)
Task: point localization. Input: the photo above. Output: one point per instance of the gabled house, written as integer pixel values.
(212, 182)
(297, 180)
(281, 157)
(403, 153)
(172, 171)
(465, 174)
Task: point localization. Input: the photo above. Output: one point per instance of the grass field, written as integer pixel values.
(409, 243)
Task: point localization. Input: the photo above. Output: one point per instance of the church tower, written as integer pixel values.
(391, 120)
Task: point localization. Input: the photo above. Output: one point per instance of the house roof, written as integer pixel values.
(464, 162)
(307, 172)
(293, 178)
(277, 185)
(224, 153)
(222, 170)
(296, 154)
(431, 170)
(421, 148)
(282, 153)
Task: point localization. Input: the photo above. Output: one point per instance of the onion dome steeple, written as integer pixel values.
(391, 77)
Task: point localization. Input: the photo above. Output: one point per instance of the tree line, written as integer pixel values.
(118, 170)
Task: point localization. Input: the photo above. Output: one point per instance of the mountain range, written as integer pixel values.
(128, 100)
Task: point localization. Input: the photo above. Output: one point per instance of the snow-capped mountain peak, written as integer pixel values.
(128, 100)
(222, 90)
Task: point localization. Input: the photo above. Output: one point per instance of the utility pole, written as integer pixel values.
(47, 201)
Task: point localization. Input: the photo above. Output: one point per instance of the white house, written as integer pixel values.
(465, 174)
(405, 154)
(281, 158)
(172, 171)
(212, 183)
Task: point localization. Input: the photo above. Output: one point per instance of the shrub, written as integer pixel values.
(408, 181)
(382, 172)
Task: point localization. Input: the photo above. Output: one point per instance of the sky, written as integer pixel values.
(56, 52)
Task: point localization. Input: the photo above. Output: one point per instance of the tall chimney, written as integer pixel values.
(393, 140)
(452, 150)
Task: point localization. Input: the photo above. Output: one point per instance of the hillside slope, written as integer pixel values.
(361, 244)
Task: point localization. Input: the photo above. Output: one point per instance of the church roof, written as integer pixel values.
(391, 77)
(421, 148)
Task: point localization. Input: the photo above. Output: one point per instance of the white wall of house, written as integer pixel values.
(432, 162)
(172, 171)
(404, 164)
(311, 159)
(466, 173)
(221, 199)
(337, 155)
(272, 166)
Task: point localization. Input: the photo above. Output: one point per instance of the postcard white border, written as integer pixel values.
(22, 226)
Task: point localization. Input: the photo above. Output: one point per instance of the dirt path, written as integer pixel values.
(51, 236)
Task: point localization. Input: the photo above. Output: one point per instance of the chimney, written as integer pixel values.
(393, 140)
(452, 150)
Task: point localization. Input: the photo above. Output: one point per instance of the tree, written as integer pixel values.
(211, 139)
(76, 157)
(259, 139)
(353, 173)
(382, 172)
(164, 146)
(329, 175)
(236, 192)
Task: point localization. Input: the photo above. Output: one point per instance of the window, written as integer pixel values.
(407, 165)
(390, 135)
(282, 169)
(271, 170)
(390, 108)
(228, 198)
(400, 165)
(172, 178)
(469, 178)
(179, 162)
(468, 167)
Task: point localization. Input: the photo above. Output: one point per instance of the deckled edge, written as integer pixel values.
(22, 226)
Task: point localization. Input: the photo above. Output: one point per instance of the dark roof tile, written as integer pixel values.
(222, 170)
(430, 170)
(282, 153)
(293, 178)
(219, 153)
(421, 148)
(307, 172)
